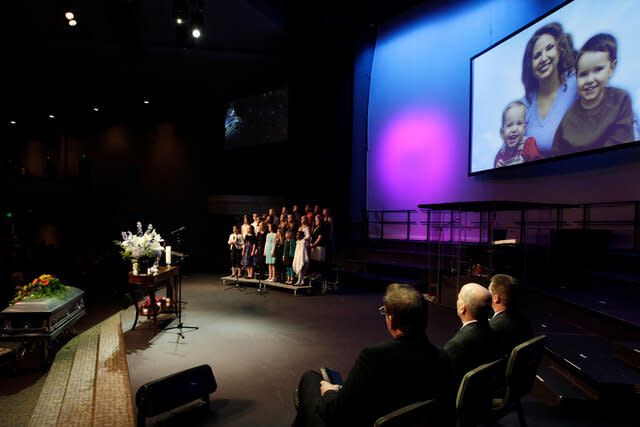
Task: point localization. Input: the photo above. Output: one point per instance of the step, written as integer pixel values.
(628, 277)
(88, 382)
(628, 352)
(591, 359)
(599, 310)
(560, 390)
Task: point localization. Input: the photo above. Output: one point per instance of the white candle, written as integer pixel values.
(168, 254)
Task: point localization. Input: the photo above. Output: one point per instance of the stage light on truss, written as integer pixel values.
(69, 15)
(180, 11)
(196, 25)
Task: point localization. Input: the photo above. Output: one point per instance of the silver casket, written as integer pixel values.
(42, 317)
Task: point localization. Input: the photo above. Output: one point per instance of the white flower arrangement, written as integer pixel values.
(146, 244)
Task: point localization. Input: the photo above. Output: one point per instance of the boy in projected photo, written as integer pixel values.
(602, 116)
(516, 148)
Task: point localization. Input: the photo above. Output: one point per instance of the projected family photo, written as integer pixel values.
(568, 84)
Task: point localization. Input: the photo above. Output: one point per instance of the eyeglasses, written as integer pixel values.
(382, 310)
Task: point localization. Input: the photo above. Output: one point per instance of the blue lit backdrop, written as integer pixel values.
(418, 120)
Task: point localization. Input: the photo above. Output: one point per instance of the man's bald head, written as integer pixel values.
(476, 301)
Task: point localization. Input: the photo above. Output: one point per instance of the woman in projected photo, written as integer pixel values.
(550, 83)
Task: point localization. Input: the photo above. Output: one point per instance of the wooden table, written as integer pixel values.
(149, 282)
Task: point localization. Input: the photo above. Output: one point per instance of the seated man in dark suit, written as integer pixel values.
(475, 343)
(511, 326)
(385, 377)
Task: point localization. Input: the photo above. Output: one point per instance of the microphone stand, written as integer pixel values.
(236, 282)
(180, 326)
(180, 263)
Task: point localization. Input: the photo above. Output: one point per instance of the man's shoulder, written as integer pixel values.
(402, 344)
(473, 332)
(509, 320)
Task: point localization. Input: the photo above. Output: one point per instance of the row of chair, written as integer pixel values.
(486, 394)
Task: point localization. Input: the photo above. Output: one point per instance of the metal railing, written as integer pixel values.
(532, 225)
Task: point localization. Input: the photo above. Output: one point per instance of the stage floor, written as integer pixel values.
(259, 345)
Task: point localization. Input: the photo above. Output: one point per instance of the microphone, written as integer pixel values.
(179, 230)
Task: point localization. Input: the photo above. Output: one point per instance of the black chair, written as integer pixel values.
(415, 414)
(520, 376)
(478, 386)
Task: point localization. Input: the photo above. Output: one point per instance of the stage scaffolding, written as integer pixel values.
(470, 241)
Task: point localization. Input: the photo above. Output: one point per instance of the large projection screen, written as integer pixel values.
(590, 106)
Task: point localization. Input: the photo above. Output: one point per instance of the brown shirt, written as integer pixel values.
(609, 123)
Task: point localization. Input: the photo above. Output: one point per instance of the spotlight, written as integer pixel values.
(73, 23)
(180, 11)
(12, 122)
(69, 15)
(146, 101)
(196, 24)
(96, 109)
(51, 116)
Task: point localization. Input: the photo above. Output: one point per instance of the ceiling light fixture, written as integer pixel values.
(180, 11)
(69, 15)
(196, 24)
(73, 23)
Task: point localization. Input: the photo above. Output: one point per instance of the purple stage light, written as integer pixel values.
(414, 160)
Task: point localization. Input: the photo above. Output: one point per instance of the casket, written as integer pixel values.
(42, 317)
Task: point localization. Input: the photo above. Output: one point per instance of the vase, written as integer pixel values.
(144, 264)
(135, 267)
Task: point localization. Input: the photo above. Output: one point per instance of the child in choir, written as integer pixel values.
(602, 116)
(301, 257)
(278, 254)
(269, 252)
(261, 240)
(236, 243)
(249, 252)
(245, 225)
(516, 148)
(287, 256)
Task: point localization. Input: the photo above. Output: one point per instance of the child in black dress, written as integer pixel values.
(278, 254)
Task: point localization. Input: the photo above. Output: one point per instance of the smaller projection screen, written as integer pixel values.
(566, 84)
(258, 119)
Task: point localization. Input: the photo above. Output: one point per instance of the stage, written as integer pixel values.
(261, 285)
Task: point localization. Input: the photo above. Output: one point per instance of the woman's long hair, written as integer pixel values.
(566, 59)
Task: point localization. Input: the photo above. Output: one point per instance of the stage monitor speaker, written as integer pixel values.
(175, 390)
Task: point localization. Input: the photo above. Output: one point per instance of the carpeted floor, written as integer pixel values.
(258, 346)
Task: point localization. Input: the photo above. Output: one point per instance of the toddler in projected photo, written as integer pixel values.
(602, 116)
(516, 148)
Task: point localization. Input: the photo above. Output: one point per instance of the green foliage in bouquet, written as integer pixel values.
(41, 287)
